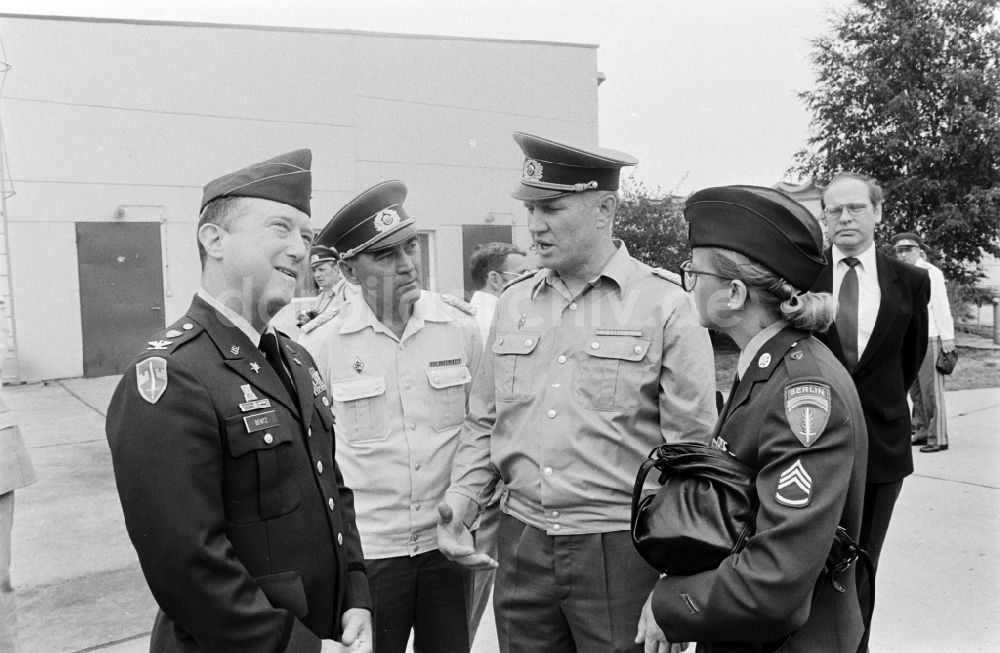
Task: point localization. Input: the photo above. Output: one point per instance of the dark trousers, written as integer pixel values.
(880, 499)
(568, 593)
(425, 593)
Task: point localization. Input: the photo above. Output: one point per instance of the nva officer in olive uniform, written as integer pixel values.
(222, 440)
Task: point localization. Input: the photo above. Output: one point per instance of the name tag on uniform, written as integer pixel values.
(260, 421)
(255, 405)
(446, 363)
(618, 332)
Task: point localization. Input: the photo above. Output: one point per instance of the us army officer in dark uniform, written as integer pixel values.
(794, 416)
(223, 454)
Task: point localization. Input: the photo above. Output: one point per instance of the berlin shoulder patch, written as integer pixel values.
(151, 378)
(807, 406)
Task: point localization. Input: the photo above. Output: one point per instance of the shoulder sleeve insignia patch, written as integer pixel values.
(672, 277)
(151, 378)
(465, 307)
(794, 486)
(807, 406)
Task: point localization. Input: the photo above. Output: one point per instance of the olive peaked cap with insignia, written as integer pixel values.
(320, 254)
(286, 178)
(552, 169)
(762, 223)
(372, 221)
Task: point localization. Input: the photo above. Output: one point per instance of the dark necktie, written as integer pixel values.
(269, 345)
(847, 314)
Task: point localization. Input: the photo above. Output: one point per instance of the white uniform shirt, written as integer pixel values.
(485, 304)
(939, 320)
(398, 403)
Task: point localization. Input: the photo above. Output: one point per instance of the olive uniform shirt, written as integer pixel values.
(577, 392)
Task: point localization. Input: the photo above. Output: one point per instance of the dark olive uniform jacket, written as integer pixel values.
(761, 594)
(243, 525)
(889, 365)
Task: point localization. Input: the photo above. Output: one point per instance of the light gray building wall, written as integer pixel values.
(112, 128)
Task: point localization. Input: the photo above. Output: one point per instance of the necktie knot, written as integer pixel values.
(851, 261)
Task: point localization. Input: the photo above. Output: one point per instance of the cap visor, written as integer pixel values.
(392, 238)
(527, 193)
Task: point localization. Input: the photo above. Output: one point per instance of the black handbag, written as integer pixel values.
(703, 513)
(946, 361)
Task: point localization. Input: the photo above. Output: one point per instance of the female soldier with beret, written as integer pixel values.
(793, 415)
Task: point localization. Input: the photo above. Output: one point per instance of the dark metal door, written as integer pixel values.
(480, 234)
(121, 292)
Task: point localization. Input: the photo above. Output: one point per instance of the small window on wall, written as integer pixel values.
(427, 271)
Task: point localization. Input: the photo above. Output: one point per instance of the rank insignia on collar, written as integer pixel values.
(720, 444)
(764, 360)
(794, 486)
(807, 406)
(158, 344)
(151, 378)
(255, 366)
(358, 365)
(234, 350)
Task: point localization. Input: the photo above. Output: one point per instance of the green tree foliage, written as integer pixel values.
(652, 225)
(908, 91)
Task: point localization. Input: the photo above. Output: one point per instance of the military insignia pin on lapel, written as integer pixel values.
(255, 366)
(234, 350)
(764, 360)
(158, 344)
(521, 320)
(358, 365)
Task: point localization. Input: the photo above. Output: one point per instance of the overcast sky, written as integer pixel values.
(703, 93)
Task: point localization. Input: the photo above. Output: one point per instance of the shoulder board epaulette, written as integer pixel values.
(524, 275)
(328, 314)
(465, 307)
(667, 275)
(170, 339)
(800, 362)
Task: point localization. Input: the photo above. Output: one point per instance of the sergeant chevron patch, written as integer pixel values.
(794, 486)
(807, 406)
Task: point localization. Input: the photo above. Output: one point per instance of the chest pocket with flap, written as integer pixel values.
(448, 395)
(612, 370)
(361, 408)
(514, 365)
(261, 478)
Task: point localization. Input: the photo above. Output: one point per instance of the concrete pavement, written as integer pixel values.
(80, 588)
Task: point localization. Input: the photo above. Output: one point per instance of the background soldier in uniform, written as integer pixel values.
(399, 361)
(595, 359)
(222, 443)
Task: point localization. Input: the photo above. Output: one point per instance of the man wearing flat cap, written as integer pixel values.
(596, 359)
(930, 421)
(399, 361)
(222, 441)
(880, 335)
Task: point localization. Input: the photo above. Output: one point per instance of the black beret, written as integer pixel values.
(762, 223)
(286, 179)
(320, 254)
(910, 238)
(373, 220)
(552, 169)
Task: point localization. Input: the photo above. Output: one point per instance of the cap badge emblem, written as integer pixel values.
(386, 219)
(532, 170)
(314, 258)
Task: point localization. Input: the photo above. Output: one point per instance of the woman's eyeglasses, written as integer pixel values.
(689, 275)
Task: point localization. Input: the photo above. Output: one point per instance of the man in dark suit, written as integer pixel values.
(880, 335)
(221, 436)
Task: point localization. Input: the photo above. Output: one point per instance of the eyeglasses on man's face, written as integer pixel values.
(903, 249)
(852, 209)
(689, 275)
